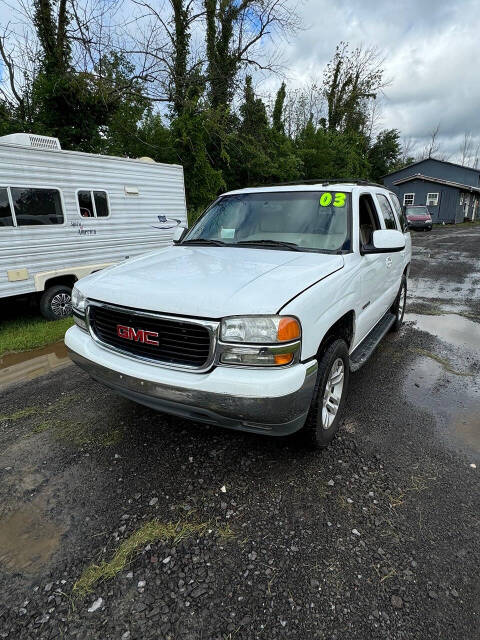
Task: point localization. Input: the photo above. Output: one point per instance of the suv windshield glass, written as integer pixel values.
(417, 211)
(294, 220)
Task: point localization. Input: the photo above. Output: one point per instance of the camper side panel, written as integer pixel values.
(137, 193)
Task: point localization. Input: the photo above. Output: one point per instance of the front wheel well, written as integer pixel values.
(343, 328)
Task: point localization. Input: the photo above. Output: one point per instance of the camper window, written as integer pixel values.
(93, 204)
(36, 206)
(6, 219)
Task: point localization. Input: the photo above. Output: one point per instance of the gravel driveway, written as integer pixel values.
(117, 522)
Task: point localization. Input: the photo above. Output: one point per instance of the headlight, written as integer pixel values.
(78, 308)
(279, 337)
(260, 329)
(78, 300)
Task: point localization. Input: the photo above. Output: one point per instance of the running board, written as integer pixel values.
(370, 343)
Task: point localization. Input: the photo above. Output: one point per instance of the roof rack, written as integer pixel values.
(324, 182)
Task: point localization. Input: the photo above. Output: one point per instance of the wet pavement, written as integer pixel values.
(376, 537)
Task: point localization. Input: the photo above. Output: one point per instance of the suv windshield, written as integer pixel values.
(294, 220)
(417, 211)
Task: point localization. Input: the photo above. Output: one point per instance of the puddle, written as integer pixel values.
(15, 367)
(449, 327)
(454, 402)
(27, 541)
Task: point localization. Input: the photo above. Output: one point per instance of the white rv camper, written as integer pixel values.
(65, 214)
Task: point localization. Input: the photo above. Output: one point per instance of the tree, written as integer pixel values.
(234, 31)
(351, 81)
(277, 116)
(432, 147)
(385, 154)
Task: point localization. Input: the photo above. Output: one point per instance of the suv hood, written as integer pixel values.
(210, 282)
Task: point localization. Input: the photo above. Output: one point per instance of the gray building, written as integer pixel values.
(451, 191)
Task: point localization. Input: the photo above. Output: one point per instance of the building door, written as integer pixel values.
(475, 208)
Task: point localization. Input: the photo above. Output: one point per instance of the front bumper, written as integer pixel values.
(269, 401)
(419, 225)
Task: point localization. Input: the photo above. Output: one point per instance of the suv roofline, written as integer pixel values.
(308, 185)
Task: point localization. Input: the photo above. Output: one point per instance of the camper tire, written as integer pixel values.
(56, 302)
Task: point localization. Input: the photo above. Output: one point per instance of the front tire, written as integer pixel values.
(398, 308)
(329, 396)
(56, 302)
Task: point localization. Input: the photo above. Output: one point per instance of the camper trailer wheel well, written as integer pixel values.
(68, 281)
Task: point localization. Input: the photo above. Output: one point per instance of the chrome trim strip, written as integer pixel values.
(211, 326)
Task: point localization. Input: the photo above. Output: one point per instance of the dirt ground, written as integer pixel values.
(117, 522)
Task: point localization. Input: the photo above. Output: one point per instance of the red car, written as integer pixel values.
(418, 217)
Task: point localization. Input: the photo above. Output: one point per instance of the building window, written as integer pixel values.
(387, 212)
(36, 206)
(93, 204)
(408, 199)
(432, 199)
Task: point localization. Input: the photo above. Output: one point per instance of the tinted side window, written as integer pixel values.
(101, 203)
(399, 211)
(85, 203)
(387, 212)
(5, 211)
(36, 206)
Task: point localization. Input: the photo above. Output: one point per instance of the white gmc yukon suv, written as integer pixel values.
(255, 317)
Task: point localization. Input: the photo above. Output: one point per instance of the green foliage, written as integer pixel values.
(277, 117)
(384, 154)
(332, 154)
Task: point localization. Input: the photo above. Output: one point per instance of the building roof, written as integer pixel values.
(449, 183)
(451, 164)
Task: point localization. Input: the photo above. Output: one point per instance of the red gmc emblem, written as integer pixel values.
(138, 335)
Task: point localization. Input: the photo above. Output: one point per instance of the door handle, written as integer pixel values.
(388, 261)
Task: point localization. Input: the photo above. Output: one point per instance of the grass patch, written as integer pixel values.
(21, 413)
(445, 363)
(153, 531)
(30, 333)
(79, 434)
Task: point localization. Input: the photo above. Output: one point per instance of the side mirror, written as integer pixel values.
(385, 241)
(178, 233)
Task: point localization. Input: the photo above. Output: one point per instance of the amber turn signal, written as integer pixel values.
(283, 358)
(288, 329)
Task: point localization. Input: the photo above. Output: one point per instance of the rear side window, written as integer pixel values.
(399, 211)
(6, 219)
(387, 212)
(93, 204)
(36, 206)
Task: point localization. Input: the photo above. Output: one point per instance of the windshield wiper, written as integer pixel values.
(208, 241)
(271, 243)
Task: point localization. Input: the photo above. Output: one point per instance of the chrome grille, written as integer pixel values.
(182, 343)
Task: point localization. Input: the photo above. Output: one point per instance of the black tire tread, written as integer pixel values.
(398, 321)
(48, 294)
(313, 435)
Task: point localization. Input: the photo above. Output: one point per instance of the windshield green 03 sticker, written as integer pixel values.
(327, 198)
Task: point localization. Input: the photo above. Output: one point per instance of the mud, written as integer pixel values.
(17, 367)
(27, 540)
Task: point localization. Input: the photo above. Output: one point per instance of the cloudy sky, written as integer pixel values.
(431, 50)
